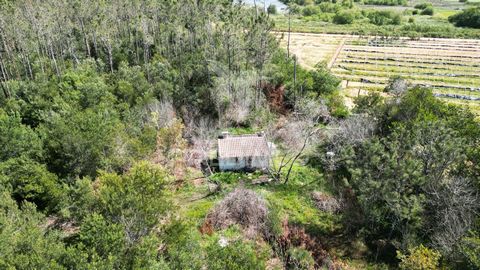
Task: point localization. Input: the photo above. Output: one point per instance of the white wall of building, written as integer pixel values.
(237, 164)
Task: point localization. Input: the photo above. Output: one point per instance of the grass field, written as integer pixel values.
(451, 67)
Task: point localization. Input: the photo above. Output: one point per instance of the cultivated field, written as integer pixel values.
(450, 66)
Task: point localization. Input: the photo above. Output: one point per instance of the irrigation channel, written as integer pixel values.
(451, 67)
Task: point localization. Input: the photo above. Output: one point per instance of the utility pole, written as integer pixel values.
(289, 29)
(294, 79)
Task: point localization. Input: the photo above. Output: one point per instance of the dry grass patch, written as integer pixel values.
(243, 207)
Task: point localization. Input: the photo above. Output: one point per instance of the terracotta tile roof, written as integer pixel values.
(243, 146)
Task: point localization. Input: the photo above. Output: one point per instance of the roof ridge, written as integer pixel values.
(246, 135)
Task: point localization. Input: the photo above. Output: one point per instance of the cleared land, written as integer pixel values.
(451, 67)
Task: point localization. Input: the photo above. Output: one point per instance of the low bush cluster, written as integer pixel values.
(386, 2)
(383, 17)
(469, 17)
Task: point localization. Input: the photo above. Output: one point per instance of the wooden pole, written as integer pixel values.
(294, 79)
(289, 29)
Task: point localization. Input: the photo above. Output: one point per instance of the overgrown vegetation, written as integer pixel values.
(407, 172)
(467, 18)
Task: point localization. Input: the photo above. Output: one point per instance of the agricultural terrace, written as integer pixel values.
(451, 67)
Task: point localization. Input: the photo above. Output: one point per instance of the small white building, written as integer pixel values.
(243, 152)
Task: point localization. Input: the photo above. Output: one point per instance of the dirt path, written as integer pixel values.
(337, 52)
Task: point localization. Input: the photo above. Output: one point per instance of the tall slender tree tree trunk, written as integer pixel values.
(54, 59)
(85, 38)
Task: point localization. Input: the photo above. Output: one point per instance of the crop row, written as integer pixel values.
(404, 61)
(412, 76)
(392, 68)
(400, 57)
(411, 46)
(415, 44)
(410, 58)
(407, 64)
(416, 81)
(412, 52)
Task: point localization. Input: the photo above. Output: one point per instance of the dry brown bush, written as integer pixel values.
(243, 207)
(327, 203)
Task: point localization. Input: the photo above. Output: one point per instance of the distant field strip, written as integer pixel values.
(450, 66)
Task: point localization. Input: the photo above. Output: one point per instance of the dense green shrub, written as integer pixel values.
(329, 7)
(344, 17)
(471, 249)
(467, 18)
(410, 126)
(310, 10)
(17, 139)
(384, 17)
(386, 2)
(224, 253)
(272, 9)
(31, 181)
(419, 258)
(25, 243)
(423, 5)
(427, 11)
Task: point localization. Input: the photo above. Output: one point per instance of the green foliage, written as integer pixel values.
(344, 17)
(31, 181)
(469, 17)
(423, 5)
(419, 258)
(368, 103)
(386, 2)
(187, 249)
(347, 17)
(233, 254)
(84, 87)
(310, 10)
(102, 240)
(132, 86)
(396, 183)
(471, 249)
(17, 139)
(384, 17)
(25, 243)
(294, 203)
(233, 177)
(184, 249)
(272, 9)
(337, 106)
(418, 150)
(82, 142)
(319, 82)
(82, 200)
(324, 82)
(138, 198)
(427, 11)
(117, 214)
(426, 8)
(301, 259)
